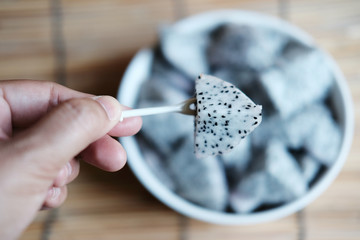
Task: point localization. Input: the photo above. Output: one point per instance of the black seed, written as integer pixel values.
(222, 116)
(239, 131)
(245, 131)
(231, 147)
(215, 123)
(220, 139)
(201, 93)
(239, 110)
(199, 77)
(236, 96)
(214, 111)
(255, 123)
(225, 86)
(199, 102)
(229, 106)
(217, 145)
(222, 91)
(255, 117)
(207, 83)
(232, 86)
(196, 145)
(209, 115)
(226, 91)
(220, 152)
(204, 122)
(219, 103)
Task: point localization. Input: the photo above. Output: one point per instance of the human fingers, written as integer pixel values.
(106, 154)
(32, 159)
(67, 173)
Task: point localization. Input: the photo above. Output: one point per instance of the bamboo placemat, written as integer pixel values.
(86, 45)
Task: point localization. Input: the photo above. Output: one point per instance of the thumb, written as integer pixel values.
(64, 133)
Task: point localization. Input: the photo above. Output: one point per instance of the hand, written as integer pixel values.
(44, 129)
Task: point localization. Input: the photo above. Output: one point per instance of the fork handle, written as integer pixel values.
(149, 111)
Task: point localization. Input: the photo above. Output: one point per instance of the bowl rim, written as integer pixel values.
(138, 70)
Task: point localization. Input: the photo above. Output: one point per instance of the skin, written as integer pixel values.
(45, 129)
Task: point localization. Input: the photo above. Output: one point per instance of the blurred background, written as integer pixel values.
(87, 44)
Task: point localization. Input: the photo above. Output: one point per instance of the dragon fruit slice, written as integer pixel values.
(225, 115)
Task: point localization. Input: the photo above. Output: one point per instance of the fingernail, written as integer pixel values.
(110, 105)
(68, 168)
(54, 192)
(62, 175)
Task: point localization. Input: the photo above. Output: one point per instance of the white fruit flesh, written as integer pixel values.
(225, 115)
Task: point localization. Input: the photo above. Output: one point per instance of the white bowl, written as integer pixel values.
(138, 71)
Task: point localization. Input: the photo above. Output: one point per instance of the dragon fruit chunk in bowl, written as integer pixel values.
(285, 163)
